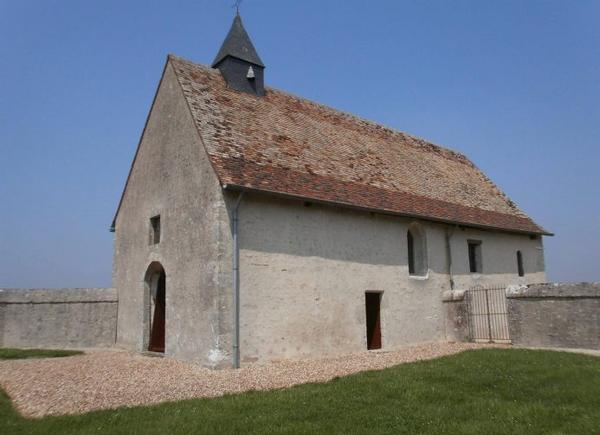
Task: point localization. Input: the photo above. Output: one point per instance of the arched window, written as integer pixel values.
(417, 250)
(520, 267)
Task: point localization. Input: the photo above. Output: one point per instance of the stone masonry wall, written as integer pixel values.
(555, 315)
(65, 318)
(456, 315)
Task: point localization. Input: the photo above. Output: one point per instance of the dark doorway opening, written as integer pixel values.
(372, 307)
(158, 302)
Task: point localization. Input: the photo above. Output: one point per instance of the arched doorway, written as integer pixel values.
(155, 283)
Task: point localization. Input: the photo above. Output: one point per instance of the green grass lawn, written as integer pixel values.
(8, 353)
(477, 392)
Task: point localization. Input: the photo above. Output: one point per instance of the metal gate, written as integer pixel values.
(488, 317)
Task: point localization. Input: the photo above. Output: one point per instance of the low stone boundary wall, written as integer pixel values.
(555, 315)
(58, 317)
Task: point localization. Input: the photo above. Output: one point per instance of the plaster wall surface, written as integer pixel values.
(172, 177)
(555, 315)
(58, 317)
(499, 258)
(304, 272)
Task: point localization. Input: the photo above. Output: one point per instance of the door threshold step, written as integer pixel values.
(153, 354)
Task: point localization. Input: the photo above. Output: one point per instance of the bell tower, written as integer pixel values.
(239, 62)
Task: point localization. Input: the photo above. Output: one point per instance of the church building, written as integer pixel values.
(257, 225)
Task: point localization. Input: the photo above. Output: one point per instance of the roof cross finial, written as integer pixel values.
(236, 5)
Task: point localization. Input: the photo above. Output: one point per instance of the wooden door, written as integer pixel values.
(157, 333)
(372, 308)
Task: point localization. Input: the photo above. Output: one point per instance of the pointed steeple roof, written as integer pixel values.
(238, 44)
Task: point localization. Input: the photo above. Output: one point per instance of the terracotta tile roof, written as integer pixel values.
(287, 145)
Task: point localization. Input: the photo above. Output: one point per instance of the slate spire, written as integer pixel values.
(239, 62)
(238, 44)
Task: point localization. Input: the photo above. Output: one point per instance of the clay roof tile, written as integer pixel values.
(290, 146)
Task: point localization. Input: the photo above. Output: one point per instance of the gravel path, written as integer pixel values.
(111, 379)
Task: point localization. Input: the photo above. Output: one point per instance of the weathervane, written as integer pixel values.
(236, 5)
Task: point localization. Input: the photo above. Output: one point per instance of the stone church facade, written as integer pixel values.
(257, 225)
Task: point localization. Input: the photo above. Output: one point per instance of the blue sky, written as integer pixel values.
(513, 84)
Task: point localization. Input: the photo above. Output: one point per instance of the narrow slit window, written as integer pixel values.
(474, 256)
(155, 230)
(411, 252)
(520, 267)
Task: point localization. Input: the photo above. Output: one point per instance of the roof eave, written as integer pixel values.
(217, 61)
(237, 187)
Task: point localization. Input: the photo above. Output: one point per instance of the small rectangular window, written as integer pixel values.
(474, 256)
(155, 230)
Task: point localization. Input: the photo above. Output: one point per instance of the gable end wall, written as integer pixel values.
(172, 177)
